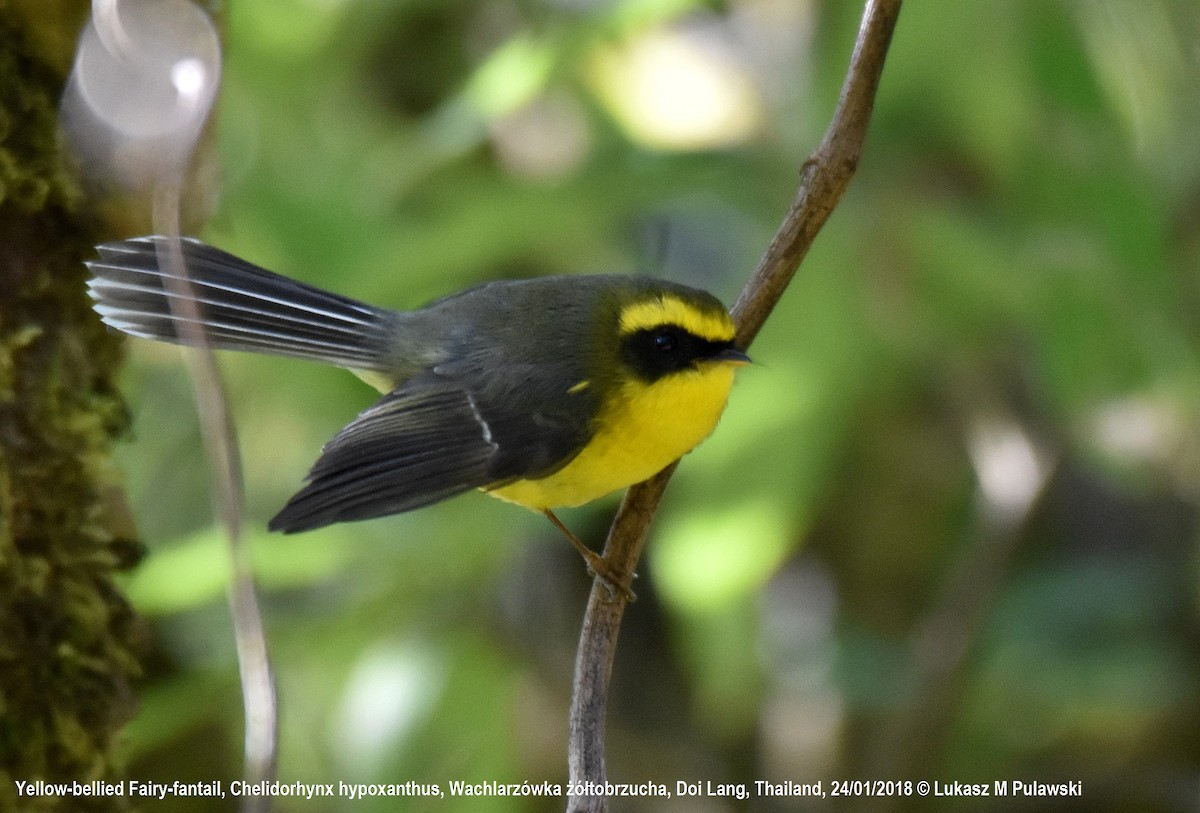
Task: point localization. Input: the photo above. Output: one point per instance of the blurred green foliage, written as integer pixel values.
(947, 529)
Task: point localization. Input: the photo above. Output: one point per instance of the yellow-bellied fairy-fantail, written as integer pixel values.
(545, 392)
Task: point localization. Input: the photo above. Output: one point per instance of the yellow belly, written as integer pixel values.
(642, 431)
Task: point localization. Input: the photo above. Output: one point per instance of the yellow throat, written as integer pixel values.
(644, 426)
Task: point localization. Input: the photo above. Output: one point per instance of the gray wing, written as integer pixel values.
(430, 439)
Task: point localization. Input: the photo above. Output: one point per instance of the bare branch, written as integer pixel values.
(824, 177)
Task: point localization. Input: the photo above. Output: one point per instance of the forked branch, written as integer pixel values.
(823, 179)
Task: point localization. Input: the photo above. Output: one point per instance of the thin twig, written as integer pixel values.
(259, 700)
(824, 177)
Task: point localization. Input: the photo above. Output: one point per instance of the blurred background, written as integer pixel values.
(947, 529)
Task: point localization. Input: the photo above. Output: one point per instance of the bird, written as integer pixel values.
(547, 392)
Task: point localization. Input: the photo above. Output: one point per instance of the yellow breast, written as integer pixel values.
(643, 429)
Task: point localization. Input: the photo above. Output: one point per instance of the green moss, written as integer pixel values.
(68, 639)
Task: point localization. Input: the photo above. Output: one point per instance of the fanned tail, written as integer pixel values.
(241, 306)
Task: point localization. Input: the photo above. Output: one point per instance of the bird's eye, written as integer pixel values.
(661, 350)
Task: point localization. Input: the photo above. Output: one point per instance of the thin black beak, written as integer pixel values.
(730, 355)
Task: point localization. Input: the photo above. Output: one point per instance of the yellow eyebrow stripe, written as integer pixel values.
(670, 310)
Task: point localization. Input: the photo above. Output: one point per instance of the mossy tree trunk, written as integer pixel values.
(68, 638)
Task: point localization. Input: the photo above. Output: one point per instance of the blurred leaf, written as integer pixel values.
(195, 570)
(705, 560)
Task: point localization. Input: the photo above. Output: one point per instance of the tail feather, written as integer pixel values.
(241, 306)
